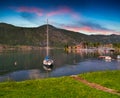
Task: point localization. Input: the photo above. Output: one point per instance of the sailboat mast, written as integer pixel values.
(47, 39)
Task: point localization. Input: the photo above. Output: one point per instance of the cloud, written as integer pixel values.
(29, 17)
(45, 12)
(31, 14)
(89, 28)
(32, 10)
(92, 25)
(95, 28)
(63, 11)
(78, 23)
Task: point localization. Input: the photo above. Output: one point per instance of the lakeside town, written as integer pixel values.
(99, 47)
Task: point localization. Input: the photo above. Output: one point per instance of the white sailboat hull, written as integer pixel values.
(48, 62)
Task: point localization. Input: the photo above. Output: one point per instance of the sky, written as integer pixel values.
(84, 16)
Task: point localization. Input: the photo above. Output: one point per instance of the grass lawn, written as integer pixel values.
(63, 87)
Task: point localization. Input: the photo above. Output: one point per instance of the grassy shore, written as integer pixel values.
(108, 79)
(63, 87)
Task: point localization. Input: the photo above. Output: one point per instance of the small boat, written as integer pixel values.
(47, 61)
(105, 57)
(118, 57)
(108, 58)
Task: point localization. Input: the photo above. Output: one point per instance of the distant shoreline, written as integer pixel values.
(4, 47)
(23, 47)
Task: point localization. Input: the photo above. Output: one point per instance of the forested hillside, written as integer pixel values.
(12, 35)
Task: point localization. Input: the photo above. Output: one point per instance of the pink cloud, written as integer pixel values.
(39, 12)
(30, 10)
(89, 30)
(59, 11)
(63, 10)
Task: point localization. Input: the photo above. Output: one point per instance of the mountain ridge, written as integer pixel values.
(13, 35)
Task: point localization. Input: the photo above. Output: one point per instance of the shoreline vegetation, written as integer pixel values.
(23, 47)
(64, 87)
(30, 47)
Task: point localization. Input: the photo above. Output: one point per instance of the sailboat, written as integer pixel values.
(47, 60)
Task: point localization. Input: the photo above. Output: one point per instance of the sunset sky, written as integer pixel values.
(85, 16)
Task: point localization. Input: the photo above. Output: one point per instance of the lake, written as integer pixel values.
(24, 65)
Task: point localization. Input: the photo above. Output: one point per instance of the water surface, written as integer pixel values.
(24, 65)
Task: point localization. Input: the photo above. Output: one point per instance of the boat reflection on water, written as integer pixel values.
(118, 60)
(48, 68)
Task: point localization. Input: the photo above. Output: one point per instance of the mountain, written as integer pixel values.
(36, 36)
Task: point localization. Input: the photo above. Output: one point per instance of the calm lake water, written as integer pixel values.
(25, 65)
